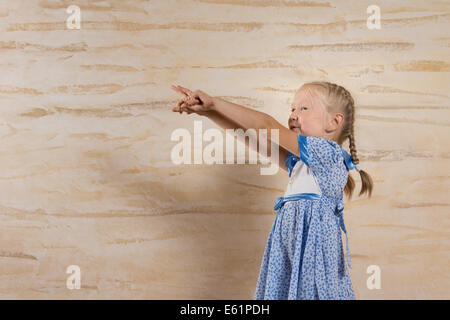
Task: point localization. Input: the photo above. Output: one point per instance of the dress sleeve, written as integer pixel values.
(319, 154)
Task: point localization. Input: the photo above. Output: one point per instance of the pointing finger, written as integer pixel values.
(179, 90)
(186, 91)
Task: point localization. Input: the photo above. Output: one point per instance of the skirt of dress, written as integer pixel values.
(304, 258)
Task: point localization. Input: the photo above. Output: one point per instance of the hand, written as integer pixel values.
(197, 102)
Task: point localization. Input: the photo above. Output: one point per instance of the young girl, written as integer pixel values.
(303, 257)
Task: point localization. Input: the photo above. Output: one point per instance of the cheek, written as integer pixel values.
(318, 118)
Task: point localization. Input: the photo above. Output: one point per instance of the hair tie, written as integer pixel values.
(349, 161)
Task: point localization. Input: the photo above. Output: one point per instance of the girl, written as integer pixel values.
(303, 257)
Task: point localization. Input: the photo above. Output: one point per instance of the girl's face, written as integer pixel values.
(308, 115)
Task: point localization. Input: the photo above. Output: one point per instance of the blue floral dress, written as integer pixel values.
(303, 257)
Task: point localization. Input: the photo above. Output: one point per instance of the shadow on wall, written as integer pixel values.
(191, 233)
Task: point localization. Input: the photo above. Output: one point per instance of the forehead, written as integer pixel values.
(308, 96)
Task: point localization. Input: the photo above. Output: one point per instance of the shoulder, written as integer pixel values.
(327, 153)
(323, 145)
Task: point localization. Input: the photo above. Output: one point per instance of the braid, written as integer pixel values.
(366, 180)
(351, 137)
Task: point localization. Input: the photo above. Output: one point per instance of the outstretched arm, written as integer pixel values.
(229, 115)
(221, 121)
(249, 118)
(226, 123)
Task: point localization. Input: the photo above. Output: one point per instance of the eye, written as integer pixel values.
(306, 108)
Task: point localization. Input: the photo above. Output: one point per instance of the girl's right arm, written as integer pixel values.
(243, 118)
(226, 123)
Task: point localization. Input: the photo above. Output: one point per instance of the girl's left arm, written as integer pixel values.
(249, 118)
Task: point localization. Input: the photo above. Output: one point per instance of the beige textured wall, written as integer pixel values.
(86, 177)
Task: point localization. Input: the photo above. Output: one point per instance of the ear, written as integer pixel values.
(335, 122)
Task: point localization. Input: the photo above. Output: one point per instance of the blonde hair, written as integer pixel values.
(337, 99)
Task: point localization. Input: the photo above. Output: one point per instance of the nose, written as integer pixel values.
(293, 117)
